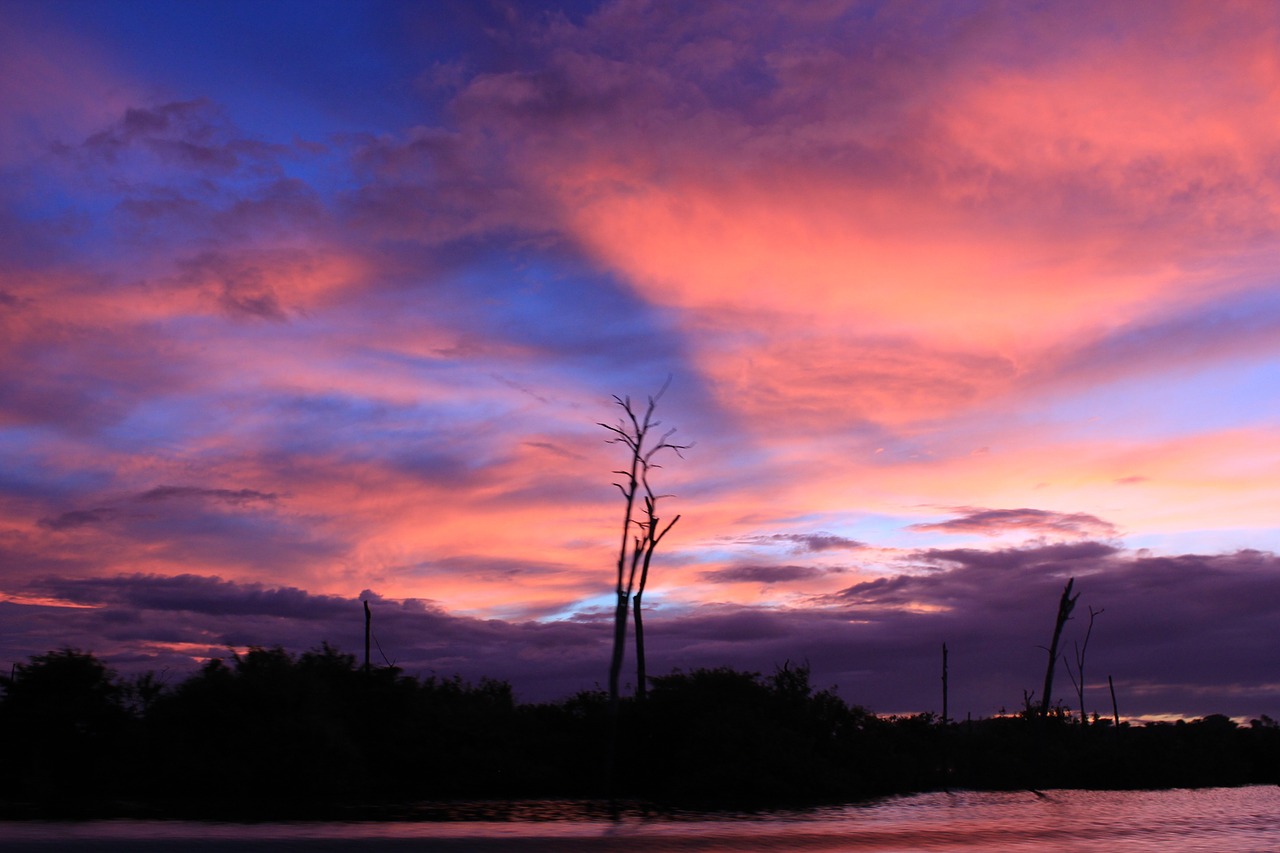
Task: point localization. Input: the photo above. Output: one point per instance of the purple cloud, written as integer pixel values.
(78, 518)
(994, 522)
(235, 497)
(1187, 634)
(192, 594)
(809, 542)
(187, 135)
(763, 574)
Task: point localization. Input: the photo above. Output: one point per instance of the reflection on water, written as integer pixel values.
(1222, 820)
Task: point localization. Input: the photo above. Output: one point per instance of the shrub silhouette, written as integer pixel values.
(65, 725)
(267, 734)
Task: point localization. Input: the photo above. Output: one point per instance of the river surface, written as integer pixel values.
(1219, 820)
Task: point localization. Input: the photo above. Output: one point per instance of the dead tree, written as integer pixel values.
(640, 535)
(1065, 605)
(1077, 678)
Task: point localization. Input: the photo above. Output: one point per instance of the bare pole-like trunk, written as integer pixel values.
(944, 684)
(944, 751)
(1115, 711)
(368, 620)
(1065, 606)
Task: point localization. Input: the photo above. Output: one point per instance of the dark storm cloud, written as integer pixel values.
(993, 522)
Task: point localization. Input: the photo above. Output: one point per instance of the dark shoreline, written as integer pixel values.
(277, 737)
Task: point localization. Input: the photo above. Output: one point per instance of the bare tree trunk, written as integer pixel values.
(944, 735)
(623, 587)
(1115, 712)
(1065, 606)
(650, 545)
(615, 670)
(944, 684)
(619, 647)
(368, 619)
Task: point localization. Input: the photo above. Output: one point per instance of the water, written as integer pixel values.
(1220, 820)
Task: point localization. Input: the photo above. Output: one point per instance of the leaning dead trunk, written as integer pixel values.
(1065, 605)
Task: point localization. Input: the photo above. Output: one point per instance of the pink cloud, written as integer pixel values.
(997, 210)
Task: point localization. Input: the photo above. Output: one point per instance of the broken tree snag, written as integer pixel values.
(1115, 712)
(1065, 605)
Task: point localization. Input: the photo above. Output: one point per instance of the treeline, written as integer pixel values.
(268, 734)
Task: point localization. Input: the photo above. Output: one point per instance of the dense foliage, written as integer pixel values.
(269, 734)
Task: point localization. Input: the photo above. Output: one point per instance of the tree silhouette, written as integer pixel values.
(271, 735)
(640, 536)
(1065, 605)
(64, 720)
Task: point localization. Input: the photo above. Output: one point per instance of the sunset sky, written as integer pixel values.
(308, 302)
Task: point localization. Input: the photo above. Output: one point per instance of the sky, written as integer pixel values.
(303, 303)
